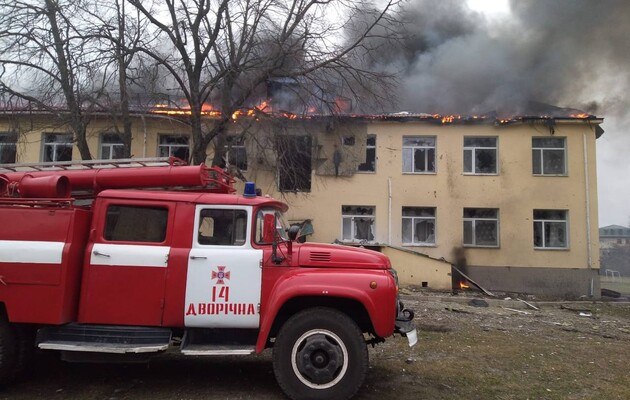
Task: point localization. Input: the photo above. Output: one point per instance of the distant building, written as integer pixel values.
(511, 202)
(614, 235)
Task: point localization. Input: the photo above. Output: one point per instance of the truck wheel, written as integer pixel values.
(320, 353)
(25, 348)
(8, 352)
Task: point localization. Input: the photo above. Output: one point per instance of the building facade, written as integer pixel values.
(511, 203)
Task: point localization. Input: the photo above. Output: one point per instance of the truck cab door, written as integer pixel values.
(126, 265)
(224, 276)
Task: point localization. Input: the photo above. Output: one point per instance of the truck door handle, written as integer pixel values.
(98, 253)
(198, 257)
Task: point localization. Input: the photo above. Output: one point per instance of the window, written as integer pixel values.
(348, 140)
(419, 154)
(112, 146)
(550, 229)
(481, 227)
(136, 223)
(480, 155)
(370, 155)
(357, 223)
(174, 146)
(57, 147)
(549, 156)
(235, 154)
(294, 163)
(418, 225)
(221, 227)
(8, 147)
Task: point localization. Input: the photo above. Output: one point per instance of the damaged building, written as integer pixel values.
(510, 202)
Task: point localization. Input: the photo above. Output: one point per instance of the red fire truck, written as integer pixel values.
(122, 261)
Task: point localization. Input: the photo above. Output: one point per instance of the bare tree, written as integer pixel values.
(46, 62)
(227, 51)
(118, 33)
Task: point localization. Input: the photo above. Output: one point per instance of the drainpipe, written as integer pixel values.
(588, 204)
(389, 211)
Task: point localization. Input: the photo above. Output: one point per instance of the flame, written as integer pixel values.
(463, 285)
(206, 109)
(580, 115)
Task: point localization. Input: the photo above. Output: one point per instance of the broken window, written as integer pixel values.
(357, 223)
(418, 225)
(348, 140)
(370, 155)
(549, 156)
(550, 229)
(112, 146)
(480, 155)
(294, 163)
(419, 154)
(8, 147)
(235, 154)
(57, 147)
(174, 146)
(481, 227)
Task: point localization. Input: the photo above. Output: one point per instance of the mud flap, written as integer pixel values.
(404, 324)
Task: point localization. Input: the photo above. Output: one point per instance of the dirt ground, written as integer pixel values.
(507, 350)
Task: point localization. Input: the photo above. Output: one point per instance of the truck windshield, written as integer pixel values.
(281, 225)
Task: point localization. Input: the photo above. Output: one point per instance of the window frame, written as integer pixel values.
(56, 146)
(238, 212)
(541, 158)
(364, 167)
(110, 145)
(238, 145)
(171, 146)
(410, 151)
(414, 219)
(133, 205)
(473, 157)
(544, 222)
(8, 140)
(353, 229)
(302, 180)
(474, 220)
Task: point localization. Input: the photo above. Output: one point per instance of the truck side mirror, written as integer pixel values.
(269, 228)
(293, 232)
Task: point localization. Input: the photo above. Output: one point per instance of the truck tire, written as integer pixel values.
(320, 353)
(8, 352)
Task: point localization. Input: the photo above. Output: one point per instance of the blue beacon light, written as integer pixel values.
(250, 189)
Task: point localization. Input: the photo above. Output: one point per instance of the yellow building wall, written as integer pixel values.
(515, 191)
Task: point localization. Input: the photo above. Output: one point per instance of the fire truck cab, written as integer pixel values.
(102, 264)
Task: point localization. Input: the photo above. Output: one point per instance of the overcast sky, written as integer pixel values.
(475, 56)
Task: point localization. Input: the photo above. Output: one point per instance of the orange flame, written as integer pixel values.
(463, 285)
(580, 115)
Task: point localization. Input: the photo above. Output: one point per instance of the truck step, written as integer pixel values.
(216, 350)
(104, 338)
(216, 342)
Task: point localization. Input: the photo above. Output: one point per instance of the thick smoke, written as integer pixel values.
(561, 52)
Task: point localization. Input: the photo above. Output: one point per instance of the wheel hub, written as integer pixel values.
(319, 358)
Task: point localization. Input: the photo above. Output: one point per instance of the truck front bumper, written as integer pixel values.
(404, 324)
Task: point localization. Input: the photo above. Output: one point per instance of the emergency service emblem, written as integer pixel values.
(220, 275)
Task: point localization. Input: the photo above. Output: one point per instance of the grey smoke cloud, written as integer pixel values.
(561, 52)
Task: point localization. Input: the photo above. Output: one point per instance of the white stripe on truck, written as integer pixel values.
(30, 251)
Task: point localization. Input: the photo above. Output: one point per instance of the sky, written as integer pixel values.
(474, 56)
